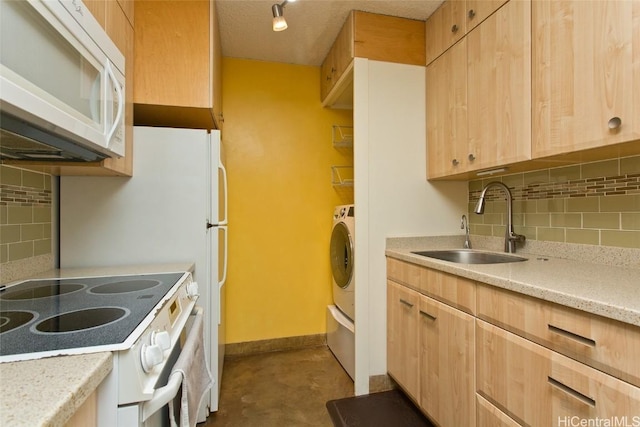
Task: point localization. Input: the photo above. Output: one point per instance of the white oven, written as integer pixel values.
(61, 82)
(146, 320)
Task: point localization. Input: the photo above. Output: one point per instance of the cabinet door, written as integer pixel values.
(444, 27)
(446, 106)
(538, 387)
(479, 10)
(402, 337)
(338, 58)
(447, 364)
(499, 88)
(586, 74)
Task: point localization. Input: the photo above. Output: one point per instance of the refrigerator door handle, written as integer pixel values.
(226, 251)
(223, 221)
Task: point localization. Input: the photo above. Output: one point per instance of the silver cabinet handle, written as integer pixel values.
(454, 28)
(455, 162)
(427, 315)
(471, 14)
(573, 336)
(571, 392)
(471, 157)
(614, 123)
(405, 302)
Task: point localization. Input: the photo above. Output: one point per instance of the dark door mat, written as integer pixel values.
(386, 409)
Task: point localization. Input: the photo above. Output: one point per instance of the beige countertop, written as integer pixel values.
(48, 391)
(607, 290)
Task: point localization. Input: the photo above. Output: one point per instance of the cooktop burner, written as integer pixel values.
(12, 319)
(81, 319)
(56, 314)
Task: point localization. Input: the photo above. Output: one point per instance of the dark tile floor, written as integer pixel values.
(280, 389)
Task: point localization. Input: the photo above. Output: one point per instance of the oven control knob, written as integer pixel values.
(192, 290)
(150, 355)
(162, 339)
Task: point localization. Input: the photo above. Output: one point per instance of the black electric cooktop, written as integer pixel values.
(56, 314)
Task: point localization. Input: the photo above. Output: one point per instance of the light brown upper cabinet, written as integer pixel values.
(478, 98)
(373, 36)
(452, 20)
(178, 80)
(586, 75)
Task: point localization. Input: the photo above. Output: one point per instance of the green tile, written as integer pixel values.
(3, 214)
(623, 239)
(9, 233)
(42, 214)
(32, 232)
(573, 220)
(47, 230)
(32, 180)
(518, 219)
(536, 177)
(630, 221)
(623, 203)
(630, 165)
(481, 230)
(20, 250)
(551, 234)
(610, 221)
(537, 220)
(4, 253)
(564, 174)
(492, 218)
(586, 237)
(475, 185)
(42, 247)
(600, 169)
(10, 176)
(529, 232)
(582, 204)
(498, 230)
(47, 182)
(525, 206)
(19, 214)
(475, 218)
(549, 205)
(513, 181)
(495, 207)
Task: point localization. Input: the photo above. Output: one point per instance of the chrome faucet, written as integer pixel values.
(510, 238)
(464, 225)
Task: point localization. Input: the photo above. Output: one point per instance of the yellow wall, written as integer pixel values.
(277, 139)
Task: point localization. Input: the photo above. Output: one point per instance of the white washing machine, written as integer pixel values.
(342, 259)
(340, 317)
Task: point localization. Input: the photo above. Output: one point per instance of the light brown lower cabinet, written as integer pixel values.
(447, 363)
(536, 386)
(402, 337)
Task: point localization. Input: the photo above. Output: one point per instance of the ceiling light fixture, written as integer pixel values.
(279, 23)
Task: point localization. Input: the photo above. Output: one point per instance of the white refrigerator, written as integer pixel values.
(173, 209)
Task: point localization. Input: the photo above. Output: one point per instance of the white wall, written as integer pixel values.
(392, 195)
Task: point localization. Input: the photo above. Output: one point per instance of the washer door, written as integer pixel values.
(341, 255)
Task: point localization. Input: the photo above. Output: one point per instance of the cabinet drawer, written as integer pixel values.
(605, 344)
(452, 290)
(490, 416)
(539, 387)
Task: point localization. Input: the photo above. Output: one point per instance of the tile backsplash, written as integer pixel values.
(25, 222)
(594, 203)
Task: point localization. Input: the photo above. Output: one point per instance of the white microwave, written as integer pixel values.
(62, 85)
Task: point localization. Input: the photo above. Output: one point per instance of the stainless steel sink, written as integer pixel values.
(467, 256)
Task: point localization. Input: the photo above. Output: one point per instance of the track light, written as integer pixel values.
(279, 23)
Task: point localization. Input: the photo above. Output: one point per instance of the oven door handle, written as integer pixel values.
(166, 394)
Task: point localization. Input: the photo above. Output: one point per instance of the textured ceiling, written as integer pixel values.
(245, 26)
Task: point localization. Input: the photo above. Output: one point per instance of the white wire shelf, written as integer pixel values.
(342, 136)
(342, 176)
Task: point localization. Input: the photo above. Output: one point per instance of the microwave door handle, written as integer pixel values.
(119, 114)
